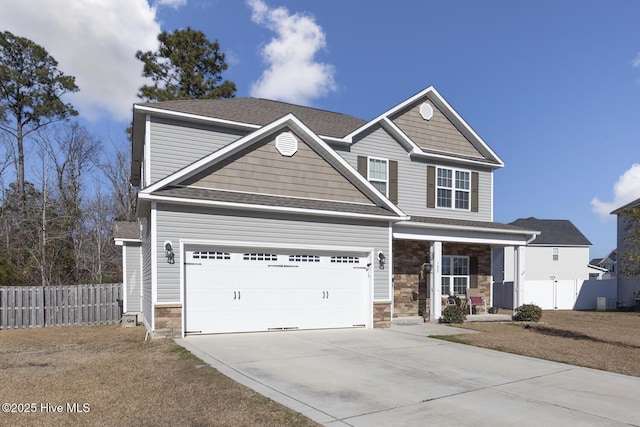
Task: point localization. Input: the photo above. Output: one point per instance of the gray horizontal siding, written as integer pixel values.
(147, 289)
(196, 223)
(134, 270)
(175, 145)
(412, 178)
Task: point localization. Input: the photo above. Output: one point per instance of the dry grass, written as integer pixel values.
(124, 381)
(609, 341)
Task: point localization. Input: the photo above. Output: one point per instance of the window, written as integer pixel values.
(345, 259)
(455, 275)
(453, 189)
(211, 255)
(259, 257)
(304, 258)
(378, 174)
(556, 255)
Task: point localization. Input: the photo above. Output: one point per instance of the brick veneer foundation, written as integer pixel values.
(168, 319)
(381, 314)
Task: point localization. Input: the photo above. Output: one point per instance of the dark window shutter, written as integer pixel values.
(473, 265)
(473, 272)
(363, 166)
(474, 191)
(393, 181)
(431, 186)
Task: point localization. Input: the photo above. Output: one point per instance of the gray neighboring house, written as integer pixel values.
(559, 252)
(628, 287)
(608, 264)
(259, 215)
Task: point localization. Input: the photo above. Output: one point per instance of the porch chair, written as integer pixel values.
(476, 300)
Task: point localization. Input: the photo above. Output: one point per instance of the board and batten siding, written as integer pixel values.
(197, 223)
(176, 144)
(133, 256)
(412, 178)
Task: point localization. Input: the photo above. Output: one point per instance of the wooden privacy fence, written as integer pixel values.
(41, 306)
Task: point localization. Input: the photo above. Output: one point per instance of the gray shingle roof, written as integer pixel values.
(553, 232)
(470, 224)
(266, 200)
(258, 111)
(126, 230)
(634, 204)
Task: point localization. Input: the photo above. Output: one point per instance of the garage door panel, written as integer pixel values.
(257, 290)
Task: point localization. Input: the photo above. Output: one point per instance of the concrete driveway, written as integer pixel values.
(399, 377)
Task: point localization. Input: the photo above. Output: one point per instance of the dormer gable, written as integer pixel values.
(430, 128)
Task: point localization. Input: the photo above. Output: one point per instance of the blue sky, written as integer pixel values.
(552, 86)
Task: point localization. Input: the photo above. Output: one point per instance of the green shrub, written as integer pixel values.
(453, 314)
(528, 313)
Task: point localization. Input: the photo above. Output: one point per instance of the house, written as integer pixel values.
(260, 215)
(607, 264)
(560, 252)
(558, 268)
(628, 287)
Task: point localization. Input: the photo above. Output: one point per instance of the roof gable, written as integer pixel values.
(444, 135)
(206, 171)
(558, 232)
(261, 168)
(435, 135)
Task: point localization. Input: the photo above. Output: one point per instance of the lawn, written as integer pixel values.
(608, 341)
(110, 376)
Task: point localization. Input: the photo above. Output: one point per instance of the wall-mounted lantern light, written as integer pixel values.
(381, 259)
(168, 252)
(427, 268)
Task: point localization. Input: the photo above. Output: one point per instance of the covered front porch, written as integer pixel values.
(439, 260)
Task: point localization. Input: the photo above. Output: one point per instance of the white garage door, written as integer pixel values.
(260, 290)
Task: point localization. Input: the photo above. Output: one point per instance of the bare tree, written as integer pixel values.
(117, 172)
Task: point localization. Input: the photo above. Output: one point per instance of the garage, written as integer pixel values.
(257, 289)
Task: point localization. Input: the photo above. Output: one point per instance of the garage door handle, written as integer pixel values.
(236, 295)
(325, 294)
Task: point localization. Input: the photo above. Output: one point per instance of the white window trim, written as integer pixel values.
(452, 276)
(555, 254)
(453, 189)
(386, 181)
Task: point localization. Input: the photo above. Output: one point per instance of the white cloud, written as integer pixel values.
(93, 40)
(171, 3)
(625, 190)
(636, 61)
(292, 75)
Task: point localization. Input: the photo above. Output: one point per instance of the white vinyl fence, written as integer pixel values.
(557, 294)
(41, 306)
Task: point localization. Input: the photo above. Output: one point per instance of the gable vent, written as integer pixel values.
(426, 111)
(286, 144)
